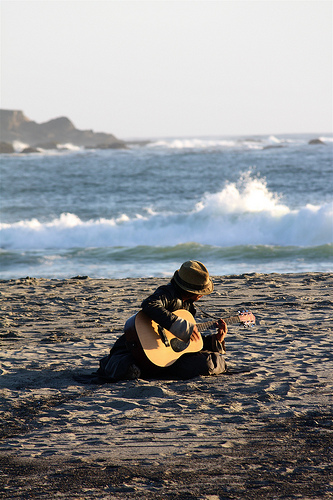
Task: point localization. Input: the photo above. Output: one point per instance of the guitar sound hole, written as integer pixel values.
(178, 345)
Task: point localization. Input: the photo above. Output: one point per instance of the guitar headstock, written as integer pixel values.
(246, 318)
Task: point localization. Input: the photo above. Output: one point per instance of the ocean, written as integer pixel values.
(239, 204)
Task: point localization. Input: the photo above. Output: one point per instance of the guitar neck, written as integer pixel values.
(231, 320)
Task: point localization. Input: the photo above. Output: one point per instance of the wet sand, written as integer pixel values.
(263, 430)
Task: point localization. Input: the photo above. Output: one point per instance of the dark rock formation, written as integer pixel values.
(115, 145)
(273, 146)
(316, 141)
(30, 149)
(47, 145)
(6, 148)
(15, 126)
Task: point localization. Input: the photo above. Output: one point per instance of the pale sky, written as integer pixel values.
(170, 68)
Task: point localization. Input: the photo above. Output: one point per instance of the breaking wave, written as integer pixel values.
(245, 143)
(240, 214)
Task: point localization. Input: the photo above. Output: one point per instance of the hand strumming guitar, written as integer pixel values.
(195, 334)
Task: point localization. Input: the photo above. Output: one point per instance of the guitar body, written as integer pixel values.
(160, 346)
(153, 345)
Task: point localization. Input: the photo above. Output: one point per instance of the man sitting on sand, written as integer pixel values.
(188, 285)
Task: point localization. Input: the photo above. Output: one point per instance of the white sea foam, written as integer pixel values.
(326, 139)
(19, 146)
(246, 213)
(192, 143)
(221, 143)
(247, 196)
(69, 146)
(274, 140)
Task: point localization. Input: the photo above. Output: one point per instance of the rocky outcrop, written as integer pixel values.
(15, 126)
(6, 148)
(115, 145)
(47, 145)
(317, 141)
(30, 149)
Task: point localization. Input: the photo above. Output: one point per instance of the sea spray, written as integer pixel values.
(244, 214)
(239, 204)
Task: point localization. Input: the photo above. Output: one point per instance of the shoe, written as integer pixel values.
(133, 372)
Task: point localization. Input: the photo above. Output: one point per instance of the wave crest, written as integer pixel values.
(246, 213)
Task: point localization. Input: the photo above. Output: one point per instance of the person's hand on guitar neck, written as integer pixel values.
(222, 331)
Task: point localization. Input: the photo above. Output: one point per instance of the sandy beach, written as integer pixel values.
(261, 431)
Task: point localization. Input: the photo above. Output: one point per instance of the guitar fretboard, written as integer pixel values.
(231, 320)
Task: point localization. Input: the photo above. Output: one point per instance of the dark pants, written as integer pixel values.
(115, 366)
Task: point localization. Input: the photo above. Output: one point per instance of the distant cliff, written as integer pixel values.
(15, 126)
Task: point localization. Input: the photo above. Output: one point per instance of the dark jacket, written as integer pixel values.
(160, 307)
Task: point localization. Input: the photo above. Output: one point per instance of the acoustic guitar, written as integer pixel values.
(147, 339)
